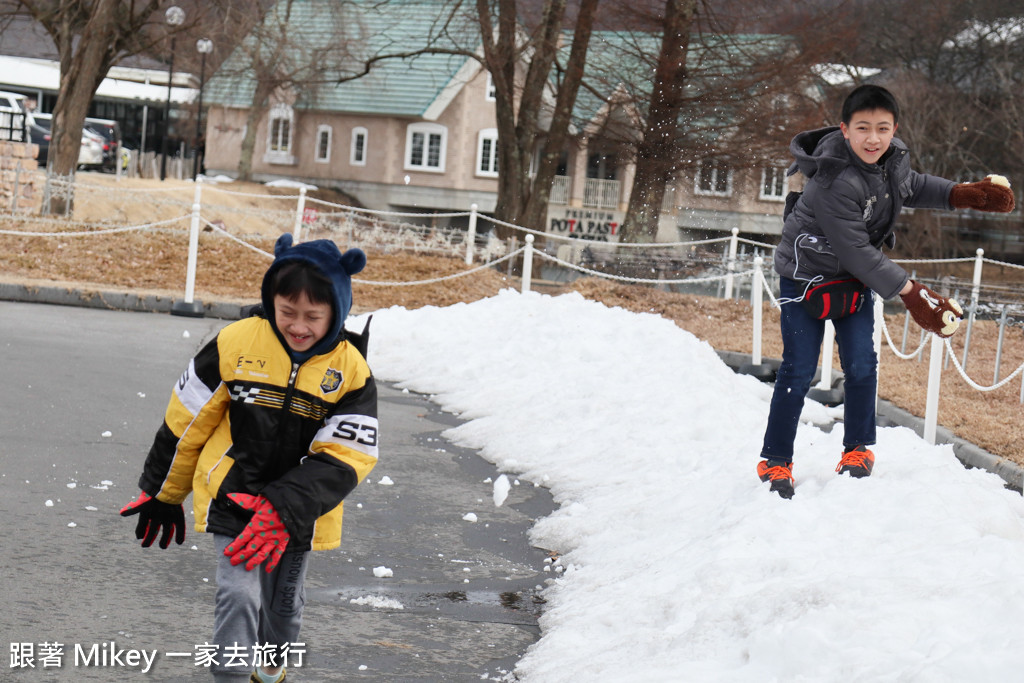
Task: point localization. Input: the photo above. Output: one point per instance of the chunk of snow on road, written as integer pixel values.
(377, 602)
(501, 489)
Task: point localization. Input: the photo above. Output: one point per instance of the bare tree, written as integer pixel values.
(285, 65)
(657, 151)
(717, 93)
(521, 102)
(89, 38)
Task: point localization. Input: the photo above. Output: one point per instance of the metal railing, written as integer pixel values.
(601, 194)
(560, 190)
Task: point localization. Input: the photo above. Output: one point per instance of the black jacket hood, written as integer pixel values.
(825, 153)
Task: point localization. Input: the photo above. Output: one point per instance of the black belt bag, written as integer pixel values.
(835, 298)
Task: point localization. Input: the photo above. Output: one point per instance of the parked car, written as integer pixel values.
(110, 131)
(89, 156)
(92, 155)
(15, 118)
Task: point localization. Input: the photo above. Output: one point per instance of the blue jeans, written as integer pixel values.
(802, 335)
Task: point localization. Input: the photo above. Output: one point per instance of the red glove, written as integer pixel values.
(984, 195)
(265, 536)
(155, 515)
(933, 312)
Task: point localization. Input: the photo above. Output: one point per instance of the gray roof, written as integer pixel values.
(338, 38)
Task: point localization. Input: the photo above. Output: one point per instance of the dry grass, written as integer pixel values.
(156, 262)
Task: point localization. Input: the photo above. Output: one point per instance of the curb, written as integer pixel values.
(114, 300)
(970, 455)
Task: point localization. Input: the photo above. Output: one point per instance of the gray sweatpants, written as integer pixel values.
(255, 609)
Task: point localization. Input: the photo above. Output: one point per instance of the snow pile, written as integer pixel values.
(290, 184)
(679, 564)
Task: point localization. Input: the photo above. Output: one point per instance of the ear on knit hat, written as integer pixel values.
(282, 243)
(353, 261)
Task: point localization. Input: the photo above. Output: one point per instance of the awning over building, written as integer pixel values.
(22, 73)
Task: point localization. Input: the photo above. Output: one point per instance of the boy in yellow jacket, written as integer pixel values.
(271, 426)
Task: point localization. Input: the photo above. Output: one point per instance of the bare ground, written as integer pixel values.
(155, 262)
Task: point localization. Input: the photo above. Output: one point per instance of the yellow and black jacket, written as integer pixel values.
(251, 416)
(245, 418)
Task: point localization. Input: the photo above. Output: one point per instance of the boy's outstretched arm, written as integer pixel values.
(196, 406)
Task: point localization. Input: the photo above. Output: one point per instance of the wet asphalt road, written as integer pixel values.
(84, 391)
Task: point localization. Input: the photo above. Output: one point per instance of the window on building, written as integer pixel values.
(279, 134)
(357, 157)
(773, 183)
(425, 147)
(713, 179)
(487, 153)
(323, 143)
(491, 91)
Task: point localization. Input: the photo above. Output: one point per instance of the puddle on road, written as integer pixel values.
(489, 605)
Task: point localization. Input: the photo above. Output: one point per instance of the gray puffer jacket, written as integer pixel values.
(848, 210)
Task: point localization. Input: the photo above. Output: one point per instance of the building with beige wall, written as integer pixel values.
(420, 135)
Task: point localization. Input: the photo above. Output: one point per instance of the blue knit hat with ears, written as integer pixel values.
(339, 268)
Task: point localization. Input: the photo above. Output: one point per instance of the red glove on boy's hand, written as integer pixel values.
(933, 312)
(264, 536)
(155, 515)
(991, 194)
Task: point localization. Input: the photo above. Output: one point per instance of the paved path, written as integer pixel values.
(83, 393)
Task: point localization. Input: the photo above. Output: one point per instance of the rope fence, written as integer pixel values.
(357, 226)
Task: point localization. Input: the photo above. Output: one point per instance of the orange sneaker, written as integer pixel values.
(780, 474)
(857, 462)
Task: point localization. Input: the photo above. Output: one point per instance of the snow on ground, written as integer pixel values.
(681, 566)
(284, 182)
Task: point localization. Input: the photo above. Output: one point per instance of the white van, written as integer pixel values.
(91, 154)
(15, 118)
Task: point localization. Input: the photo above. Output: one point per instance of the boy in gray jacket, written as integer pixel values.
(831, 261)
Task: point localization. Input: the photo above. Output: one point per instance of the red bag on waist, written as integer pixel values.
(835, 298)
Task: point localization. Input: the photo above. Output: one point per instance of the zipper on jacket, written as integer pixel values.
(282, 428)
(291, 387)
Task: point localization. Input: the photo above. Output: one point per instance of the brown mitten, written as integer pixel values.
(991, 194)
(932, 312)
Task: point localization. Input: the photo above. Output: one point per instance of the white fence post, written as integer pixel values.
(471, 234)
(527, 264)
(299, 211)
(827, 351)
(876, 337)
(730, 265)
(756, 296)
(189, 307)
(931, 404)
(975, 295)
